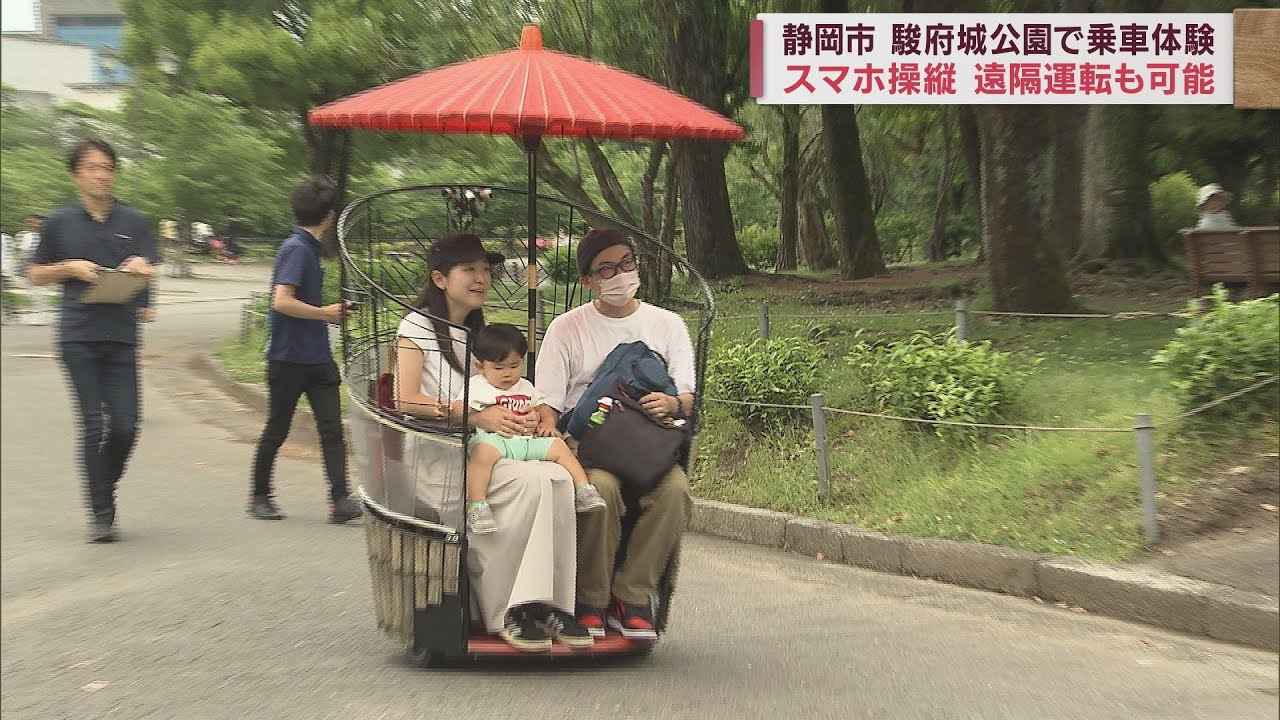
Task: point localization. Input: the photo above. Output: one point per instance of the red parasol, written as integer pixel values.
(528, 93)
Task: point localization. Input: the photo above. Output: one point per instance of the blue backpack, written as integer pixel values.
(634, 366)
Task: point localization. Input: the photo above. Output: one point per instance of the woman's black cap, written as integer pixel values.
(460, 248)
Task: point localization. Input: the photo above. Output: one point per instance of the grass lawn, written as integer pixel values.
(1067, 493)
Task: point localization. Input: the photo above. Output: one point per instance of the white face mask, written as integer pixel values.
(619, 289)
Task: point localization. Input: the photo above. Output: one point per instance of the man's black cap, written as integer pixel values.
(598, 240)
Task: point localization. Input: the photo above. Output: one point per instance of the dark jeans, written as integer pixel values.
(286, 382)
(105, 378)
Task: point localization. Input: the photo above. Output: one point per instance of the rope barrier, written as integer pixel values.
(926, 421)
(830, 316)
(995, 426)
(1232, 396)
(1124, 315)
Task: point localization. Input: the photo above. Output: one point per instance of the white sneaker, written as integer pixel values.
(587, 498)
(480, 518)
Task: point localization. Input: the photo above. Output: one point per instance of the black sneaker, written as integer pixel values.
(102, 528)
(263, 507)
(344, 509)
(562, 626)
(523, 632)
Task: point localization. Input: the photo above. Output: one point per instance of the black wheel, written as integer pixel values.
(666, 590)
(425, 659)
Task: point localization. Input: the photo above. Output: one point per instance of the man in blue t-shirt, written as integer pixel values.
(298, 357)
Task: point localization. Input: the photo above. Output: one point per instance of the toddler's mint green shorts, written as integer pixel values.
(521, 447)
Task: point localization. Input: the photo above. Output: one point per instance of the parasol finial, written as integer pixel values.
(531, 38)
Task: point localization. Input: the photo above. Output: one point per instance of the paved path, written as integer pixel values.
(202, 613)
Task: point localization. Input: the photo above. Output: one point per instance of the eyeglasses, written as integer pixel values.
(609, 270)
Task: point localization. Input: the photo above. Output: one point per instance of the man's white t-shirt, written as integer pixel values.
(578, 341)
(520, 398)
(439, 379)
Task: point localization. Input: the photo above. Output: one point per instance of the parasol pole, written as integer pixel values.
(531, 143)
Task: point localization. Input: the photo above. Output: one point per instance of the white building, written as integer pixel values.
(72, 56)
(44, 72)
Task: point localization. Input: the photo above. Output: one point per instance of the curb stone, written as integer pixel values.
(750, 525)
(987, 567)
(1245, 617)
(1126, 593)
(248, 393)
(814, 537)
(1129, 593)
(243, 392)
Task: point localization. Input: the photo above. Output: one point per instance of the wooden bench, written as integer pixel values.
(1249, 256)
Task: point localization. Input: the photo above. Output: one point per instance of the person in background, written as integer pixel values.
(299, 360)
(99, 341)
(1212, 202)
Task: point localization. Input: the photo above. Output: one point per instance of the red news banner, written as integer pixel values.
(991, 58)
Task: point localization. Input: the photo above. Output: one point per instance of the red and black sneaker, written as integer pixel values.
(635, 622)
(592, 619)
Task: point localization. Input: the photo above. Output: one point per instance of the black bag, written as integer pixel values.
(637, 449)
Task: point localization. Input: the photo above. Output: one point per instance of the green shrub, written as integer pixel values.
(937, 377)
(759, 245)
(781, 371)
(1173, 205)
(901, 234)
(562, 265)
(1227, 348)
(824, 331)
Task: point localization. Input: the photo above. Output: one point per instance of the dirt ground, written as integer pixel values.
(1226, 528)
(1112, 288)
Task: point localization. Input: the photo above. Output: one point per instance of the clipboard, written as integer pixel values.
(115, 287)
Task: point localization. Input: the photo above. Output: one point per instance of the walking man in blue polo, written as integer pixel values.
(98, 341)
(298, 357)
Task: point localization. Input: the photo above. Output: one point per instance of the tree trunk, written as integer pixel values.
(789, 217)
(936, 250)
(856, 240)
(1117, 204)
(569, 187)
(1066, 217)
(814, 241)
(657, 151)
(695, 39)
(1025, 271)
(655, 271)
(971, 144)
(667, 235)
(610, 188)
(709, 237)
(815, 244)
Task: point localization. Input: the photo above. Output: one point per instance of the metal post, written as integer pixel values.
(1144, 431)
(244, 324)
(820, 442)
(962, 319)
(542, 310)
(531, 143)
(764, 320)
